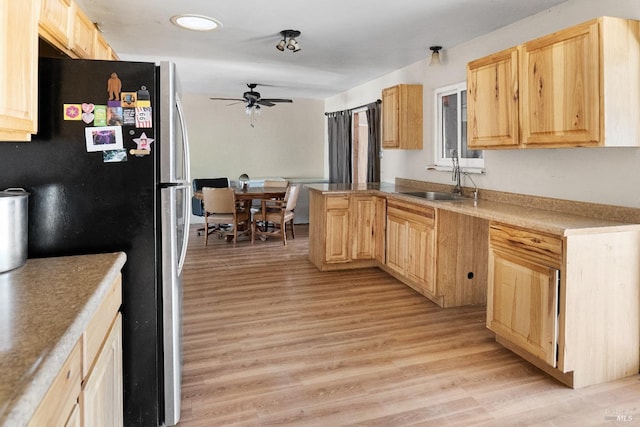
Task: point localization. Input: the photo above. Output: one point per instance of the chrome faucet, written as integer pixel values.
(475, 187)
(456, 172)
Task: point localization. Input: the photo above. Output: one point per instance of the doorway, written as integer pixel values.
(360, 146)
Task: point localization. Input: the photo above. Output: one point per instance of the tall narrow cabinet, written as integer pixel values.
(402, 117)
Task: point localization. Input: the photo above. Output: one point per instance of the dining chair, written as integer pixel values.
(221, 208)
(269, 183)
(197, 205)
(279, 214)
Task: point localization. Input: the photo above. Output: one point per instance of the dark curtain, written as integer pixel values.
(339, 124)
(373, 154)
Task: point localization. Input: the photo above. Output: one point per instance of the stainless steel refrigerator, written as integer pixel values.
(107, 174)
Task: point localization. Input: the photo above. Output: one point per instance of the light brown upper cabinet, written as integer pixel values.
(492, 101)
(56, 22)
(576, 87)
(66, 27)
(19, 70)
(402, 117)
(83, 35)
(101, 50)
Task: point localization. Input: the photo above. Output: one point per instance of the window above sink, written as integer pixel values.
(451, 129)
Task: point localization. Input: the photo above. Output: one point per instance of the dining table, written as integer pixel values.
(254, 193)
(249, 194)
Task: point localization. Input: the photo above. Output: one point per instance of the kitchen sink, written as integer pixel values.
(433, 195)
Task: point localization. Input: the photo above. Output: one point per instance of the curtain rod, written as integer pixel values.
(378, 101)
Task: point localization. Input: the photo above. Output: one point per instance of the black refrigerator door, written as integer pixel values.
(81, 204)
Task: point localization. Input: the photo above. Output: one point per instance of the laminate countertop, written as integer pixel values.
(544, 220)
(45, 306)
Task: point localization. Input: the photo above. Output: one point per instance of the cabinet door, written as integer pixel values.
(55, 22)
(337, 246)
(402, 117)
(390, 125)
(492, 101)
(396, 243)
(420, 255)
(58, 403)
(560, 88)
(102, 50)
(522, 304)
(380, 229)
(101, 398)
(83, 35)
(19, 70)
(363, 209)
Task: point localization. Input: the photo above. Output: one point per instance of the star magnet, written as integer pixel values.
(144, 145)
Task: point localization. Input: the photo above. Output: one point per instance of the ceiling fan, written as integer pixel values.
(252, 98)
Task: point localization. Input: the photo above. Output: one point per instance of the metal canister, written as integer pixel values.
(14, 209)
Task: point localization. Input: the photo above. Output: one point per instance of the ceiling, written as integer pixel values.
(344, 43)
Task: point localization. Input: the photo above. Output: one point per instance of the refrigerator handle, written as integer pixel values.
(185, 136)
(187, 166)
(187, 222)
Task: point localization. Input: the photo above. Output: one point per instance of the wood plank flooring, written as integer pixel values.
(270, 340)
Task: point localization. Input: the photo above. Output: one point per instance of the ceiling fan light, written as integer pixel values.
(280, 46)
(293, 44)
(435, 55)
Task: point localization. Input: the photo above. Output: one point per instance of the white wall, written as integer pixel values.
(599, 175)
(287, 140)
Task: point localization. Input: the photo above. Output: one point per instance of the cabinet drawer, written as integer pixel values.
(338, 202)
(99, 326)
(412, 212)
(58, 403)
(533, 245)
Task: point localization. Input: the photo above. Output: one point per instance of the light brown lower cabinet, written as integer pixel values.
(345, 230)
(411, 245)
(101, 398)
(461, 259)
(88, 389)
(567, 304)
(523, 293)
(440, 254)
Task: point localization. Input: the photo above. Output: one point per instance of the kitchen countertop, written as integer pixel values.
(45, 306)
(548, 221)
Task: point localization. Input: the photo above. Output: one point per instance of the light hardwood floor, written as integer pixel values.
(270, 340)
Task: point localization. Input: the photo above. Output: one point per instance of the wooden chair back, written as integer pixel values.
(277, 183)
(219, 200)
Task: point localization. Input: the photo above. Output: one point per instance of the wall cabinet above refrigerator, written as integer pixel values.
(63, 25)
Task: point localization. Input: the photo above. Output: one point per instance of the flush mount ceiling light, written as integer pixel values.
(292, 43)
(196, 22)
(435, 55)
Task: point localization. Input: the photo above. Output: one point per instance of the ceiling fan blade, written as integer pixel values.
(265, 102)
(276, 100)
(226, 99)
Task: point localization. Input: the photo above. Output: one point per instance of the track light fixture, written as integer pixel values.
(435, 55)
(291, 43)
